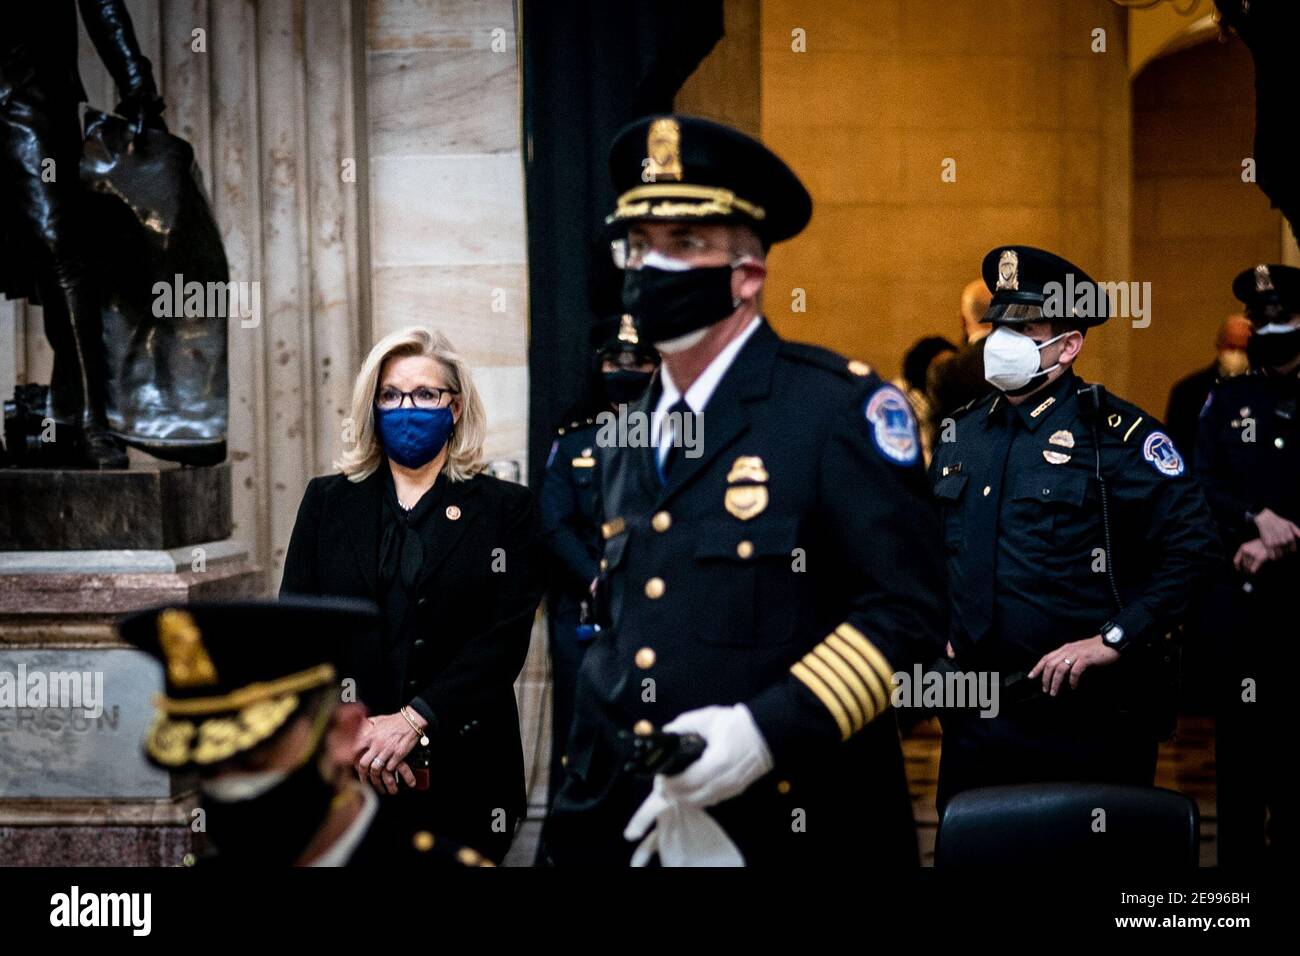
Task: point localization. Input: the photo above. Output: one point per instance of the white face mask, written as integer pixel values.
(1011, 359)
(682, 342)
(232, 788)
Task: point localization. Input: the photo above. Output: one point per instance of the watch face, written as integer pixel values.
(1114, 635)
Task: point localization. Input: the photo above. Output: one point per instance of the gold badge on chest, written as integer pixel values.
(746, 496)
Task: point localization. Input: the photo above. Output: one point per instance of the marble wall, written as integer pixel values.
(447, 210)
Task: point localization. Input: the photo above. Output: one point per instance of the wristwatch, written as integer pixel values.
(1113, 636)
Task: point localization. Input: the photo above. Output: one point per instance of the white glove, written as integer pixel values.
(735, 755)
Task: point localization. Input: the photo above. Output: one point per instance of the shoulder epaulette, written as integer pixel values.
(575, 424)
(818, 357)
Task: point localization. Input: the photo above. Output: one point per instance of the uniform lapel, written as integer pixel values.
(726, 418)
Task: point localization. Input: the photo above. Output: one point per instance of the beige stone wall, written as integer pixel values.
(1196, 223)
(1011, 90)
(447, 210)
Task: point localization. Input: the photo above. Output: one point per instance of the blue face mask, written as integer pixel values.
(413, 436)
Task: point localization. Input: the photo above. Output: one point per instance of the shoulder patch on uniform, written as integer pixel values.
(893, 426)
(1164, 457)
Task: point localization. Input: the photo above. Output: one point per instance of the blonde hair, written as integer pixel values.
(464, 450)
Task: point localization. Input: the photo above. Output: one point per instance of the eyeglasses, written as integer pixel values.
(422, 397)
(630, 253)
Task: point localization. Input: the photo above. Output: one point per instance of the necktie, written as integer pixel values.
(677, 420)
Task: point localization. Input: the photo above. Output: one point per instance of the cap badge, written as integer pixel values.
(1263, 280)
(627, 331)
(1008, 271)
(663, 148)
(188, 663)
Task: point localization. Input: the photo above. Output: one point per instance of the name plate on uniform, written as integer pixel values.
(71, 723)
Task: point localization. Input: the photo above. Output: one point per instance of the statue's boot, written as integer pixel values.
(80, 381)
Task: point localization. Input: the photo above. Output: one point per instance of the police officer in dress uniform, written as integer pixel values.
(770, 555)
(570, 513)
(1075, 538)
(251, 704)
(1248, 461)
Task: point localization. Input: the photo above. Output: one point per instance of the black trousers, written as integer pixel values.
(1255, 796)
(1042, 740)
(566, 657)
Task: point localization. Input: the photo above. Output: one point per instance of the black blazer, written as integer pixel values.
(464, 641)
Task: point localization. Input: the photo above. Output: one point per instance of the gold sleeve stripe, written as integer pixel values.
(825, 695)
(867, 650)
(880, 695)
(857, 719)
(851, 680)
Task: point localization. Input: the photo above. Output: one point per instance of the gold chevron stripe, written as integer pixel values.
(826, 696)
(880, 695)
(851, 679)
(856, 718)
(867, 650)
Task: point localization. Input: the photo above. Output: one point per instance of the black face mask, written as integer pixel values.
(625, 385)
(669, 304)
(1273, 350)
(272, 828)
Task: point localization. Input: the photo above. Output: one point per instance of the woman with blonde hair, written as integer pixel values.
(449, 553)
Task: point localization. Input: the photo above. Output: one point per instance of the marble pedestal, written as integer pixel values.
(75, 789)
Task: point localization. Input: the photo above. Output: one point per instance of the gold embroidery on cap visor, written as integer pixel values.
(681, 201)
(174, 743)
(229, 723)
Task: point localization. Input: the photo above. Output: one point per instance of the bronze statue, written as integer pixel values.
(47, 235)
(86, 232)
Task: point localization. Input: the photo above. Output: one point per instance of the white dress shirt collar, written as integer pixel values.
(346, 844)
(702, 389)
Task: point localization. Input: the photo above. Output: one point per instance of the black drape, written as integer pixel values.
(590, 67)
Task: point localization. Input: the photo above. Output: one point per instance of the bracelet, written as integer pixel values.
(424, 738)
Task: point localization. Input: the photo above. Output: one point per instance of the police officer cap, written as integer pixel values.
(1269, 289)
(690, 169)
(615, 334)
(235, 673)
(1031, 285)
